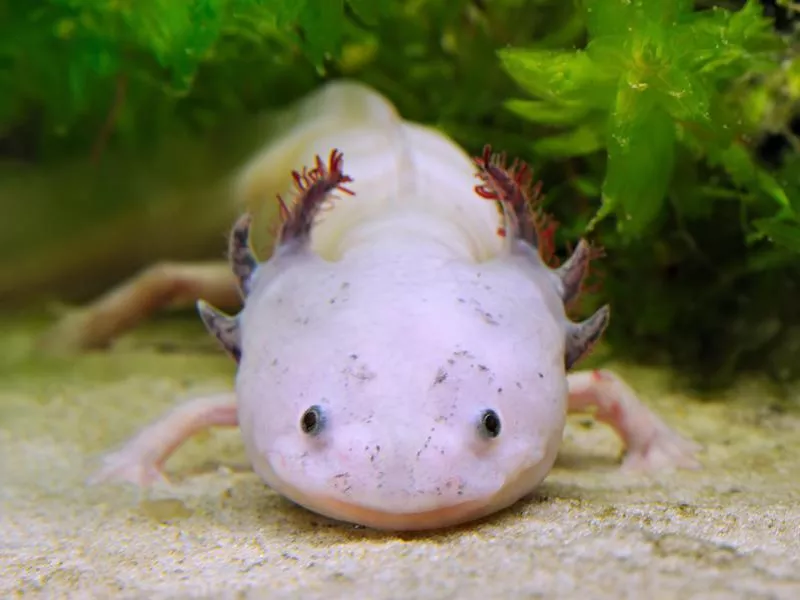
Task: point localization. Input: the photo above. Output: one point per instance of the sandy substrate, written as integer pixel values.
(731, 530)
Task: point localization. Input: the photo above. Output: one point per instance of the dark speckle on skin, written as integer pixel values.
(441, 376)
(354, 356)
(362, 372)
(274, 362)
(487, 317)
(424, 446)
(499, 390)
(373, 452)
(483, 368)
(342, 482)
(541, 375)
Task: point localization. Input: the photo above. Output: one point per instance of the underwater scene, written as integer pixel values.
(308, 298)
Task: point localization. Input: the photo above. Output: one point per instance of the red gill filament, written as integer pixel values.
(330, 176)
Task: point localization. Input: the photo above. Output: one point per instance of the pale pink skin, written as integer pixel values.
(405, 319)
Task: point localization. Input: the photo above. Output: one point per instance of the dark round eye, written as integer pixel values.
(312, 420)
(490, 423)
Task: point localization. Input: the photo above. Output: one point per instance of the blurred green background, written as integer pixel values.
(666, 130)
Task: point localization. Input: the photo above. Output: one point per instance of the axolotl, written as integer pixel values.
(404, 356)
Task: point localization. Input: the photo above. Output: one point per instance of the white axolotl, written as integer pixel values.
(403, 354)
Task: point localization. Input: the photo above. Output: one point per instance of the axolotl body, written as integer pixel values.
(404, 354)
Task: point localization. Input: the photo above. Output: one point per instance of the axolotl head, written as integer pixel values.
(432, 413)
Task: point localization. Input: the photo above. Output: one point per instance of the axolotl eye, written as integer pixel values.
(489, 425)
(313, 420)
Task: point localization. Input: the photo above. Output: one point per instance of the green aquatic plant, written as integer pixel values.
(654, 75)
(72, 67)
(659, 119)
(81, 76)
(646, 120)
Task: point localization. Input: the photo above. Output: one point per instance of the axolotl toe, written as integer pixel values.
(403, 355)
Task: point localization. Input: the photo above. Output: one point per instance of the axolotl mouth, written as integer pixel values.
(398, 511)
(391, 521)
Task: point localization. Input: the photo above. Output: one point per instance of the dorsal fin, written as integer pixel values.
(394, 165)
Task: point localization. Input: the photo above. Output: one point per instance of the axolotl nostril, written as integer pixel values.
(403, 355)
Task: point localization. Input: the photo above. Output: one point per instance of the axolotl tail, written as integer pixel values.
(405, 176)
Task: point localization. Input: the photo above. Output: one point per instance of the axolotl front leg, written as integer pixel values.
(650, 444)
(141, 459)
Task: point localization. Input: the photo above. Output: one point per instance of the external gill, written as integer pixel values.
(240, 254)
(313, 186)
(520, 201)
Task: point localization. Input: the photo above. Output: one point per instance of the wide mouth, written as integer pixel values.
(393, 513)
(437, 518)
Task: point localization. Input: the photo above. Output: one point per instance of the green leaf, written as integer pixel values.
(367, 11)
(584, 140)
(749, 27)
(588, 186)
(322, 22)
(683, 94)
(606, 18)
(619, 17)
(610, 53)
(558, 76)
(548, 113)
(744, 172)
(722, 45)
(780, 232)
(286, 13)
(664, 13)
(641, 147)
(565, 36)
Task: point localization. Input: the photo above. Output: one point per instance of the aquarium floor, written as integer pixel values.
(731, 530)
